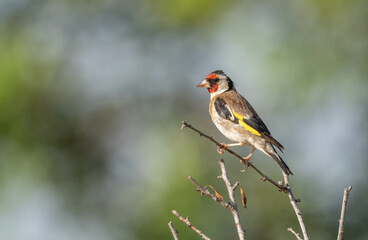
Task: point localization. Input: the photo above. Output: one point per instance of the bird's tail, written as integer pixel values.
(279, 161)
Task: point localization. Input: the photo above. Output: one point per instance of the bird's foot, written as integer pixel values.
(245, 162)
(222, 149)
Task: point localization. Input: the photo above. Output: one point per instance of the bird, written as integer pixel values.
(237, 120)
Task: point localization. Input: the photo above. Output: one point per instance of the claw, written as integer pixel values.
(245, 162)
(222, 149)
(246, 159)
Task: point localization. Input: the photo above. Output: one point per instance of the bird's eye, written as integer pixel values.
(213, 81)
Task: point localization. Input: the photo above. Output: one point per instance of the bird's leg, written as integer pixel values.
(246, 159)
(224, 146)
(250, 154)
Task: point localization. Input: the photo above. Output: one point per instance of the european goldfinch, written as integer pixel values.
(237, 120)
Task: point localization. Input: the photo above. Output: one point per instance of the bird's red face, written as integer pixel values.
(210, 82)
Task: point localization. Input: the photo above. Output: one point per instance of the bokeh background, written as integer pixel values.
(92, 95)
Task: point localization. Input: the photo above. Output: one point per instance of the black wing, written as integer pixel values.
(251, 121)
(256, 122)
(224, 110)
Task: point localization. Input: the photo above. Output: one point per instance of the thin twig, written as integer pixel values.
(293, 202)
(293, 232)
(189, 224)
(232, 206)
(263, 176)
(236, 185)
(343, 210)
(173, 231)
(234, 209)
(204, 191)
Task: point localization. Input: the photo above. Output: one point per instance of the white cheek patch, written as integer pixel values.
(222, 88)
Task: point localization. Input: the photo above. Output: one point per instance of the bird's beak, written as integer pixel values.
(204, 84)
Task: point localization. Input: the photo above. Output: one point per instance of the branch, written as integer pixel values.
(173, 231)
(189, 224)
(286, 188)
(293, 202)
(204, 191)
(263, 176)
(234, 209)
(231, 206)
(293, 232)
(343, 210)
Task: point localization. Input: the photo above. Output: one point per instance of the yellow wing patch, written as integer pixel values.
(246, 126)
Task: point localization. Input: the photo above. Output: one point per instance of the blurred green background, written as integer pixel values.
(93, 93)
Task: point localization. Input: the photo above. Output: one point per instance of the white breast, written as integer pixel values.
(228, 128)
